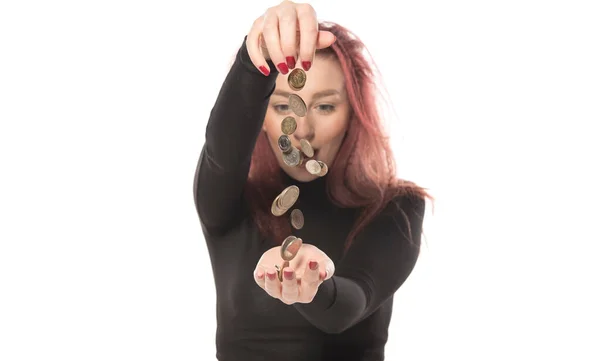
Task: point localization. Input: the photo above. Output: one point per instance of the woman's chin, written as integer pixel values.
(300, 174)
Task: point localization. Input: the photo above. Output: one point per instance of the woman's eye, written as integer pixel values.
(281, 108)
(326, 108)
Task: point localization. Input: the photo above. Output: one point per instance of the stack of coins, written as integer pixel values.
(285, 200)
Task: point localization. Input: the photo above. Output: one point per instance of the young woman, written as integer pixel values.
(359, 226)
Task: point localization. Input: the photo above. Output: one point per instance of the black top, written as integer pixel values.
(349, 317)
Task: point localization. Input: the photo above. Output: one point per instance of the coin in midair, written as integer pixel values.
(289, 196)
(290, 247)
(276, 208)
(313, 167)
(297, 104)
(288, 125)
(324, 169)
(307, 148)
(284, 143)
(292, 158)
(297, 79)
(297, 218)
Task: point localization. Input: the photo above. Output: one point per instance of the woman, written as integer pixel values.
(360, 228)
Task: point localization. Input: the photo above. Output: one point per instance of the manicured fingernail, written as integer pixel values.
(306, 65)
(291, 62)
(260, 275)
(271, 275)
(282, 68)
(288, 274)
(264, 70)
(312, 265)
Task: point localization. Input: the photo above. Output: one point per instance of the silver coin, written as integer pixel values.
(297, 105)
(290, 247)
(324, 169)
(313, 167)
(276, 208)
(307, 148)
(288, 197)
(292, 158)
(297, 218)
(284, 143)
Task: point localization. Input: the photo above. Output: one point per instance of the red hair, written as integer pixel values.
(363, 174)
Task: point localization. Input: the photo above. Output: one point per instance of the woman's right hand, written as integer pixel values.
(285, 34)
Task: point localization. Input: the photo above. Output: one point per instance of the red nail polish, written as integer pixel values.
(264, 70)
(260, 275)
(288, 275)
(282, 68)
(306, 65)
(312, 265)
(271, 275)
(291, 62)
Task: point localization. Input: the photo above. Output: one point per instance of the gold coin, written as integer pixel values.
(324, 169)
(288, 125)
(297, 218)
(292, 158)
(289, 196)
(290, 247)
(297, 79)
(297, 104)
(276, 208)
(306, 148)
(313, 167)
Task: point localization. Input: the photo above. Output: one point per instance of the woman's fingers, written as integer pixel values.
(311, 280)
(253, 45)
(272, 284)
(270, 34)
(288, 25)
(289, 288)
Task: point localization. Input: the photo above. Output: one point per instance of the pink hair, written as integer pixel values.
(363, 174)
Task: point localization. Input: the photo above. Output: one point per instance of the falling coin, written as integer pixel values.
(324, 169)
(289, 196)
(288, 125)
(306, 148)
(292, 158)
(297, 79)
(313, 167)
(290, 247)
(284, 143)
(297, 104)
(276, 208)
(297, 218)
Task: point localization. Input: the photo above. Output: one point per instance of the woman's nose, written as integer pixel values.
(304, 129)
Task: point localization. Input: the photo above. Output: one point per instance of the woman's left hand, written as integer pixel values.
(301, 280)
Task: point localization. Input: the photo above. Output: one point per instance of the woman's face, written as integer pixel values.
(326, 121)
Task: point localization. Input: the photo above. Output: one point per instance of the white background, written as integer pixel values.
(103, 107)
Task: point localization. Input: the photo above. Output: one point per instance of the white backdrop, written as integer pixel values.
(103, 108)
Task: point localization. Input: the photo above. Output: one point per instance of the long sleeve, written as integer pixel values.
(231, 133)
(379, 261)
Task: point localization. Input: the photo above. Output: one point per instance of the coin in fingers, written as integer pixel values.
(297, 79)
